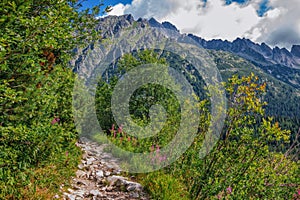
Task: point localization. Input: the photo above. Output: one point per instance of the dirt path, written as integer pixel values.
(98, 177)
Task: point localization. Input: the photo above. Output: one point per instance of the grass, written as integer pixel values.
(47, 178)
(163, 186)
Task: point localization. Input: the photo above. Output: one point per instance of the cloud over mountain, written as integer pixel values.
(279, 25)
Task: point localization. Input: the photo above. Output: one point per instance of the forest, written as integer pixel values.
(256, 155)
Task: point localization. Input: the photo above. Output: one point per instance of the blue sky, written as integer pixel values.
(275, 22)
(91, 3)
(263, 8)
(114, 2)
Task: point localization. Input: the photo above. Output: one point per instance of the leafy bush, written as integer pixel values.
(244, 164)
(141, 101)
(36, 121)
(241, 164)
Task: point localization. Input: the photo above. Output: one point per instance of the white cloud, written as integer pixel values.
(279, 26)
(118, 9)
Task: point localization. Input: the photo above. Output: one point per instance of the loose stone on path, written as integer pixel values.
(98, 177)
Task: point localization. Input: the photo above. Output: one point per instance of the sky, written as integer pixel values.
(275, 22)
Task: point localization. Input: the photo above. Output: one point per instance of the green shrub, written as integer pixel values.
(242, 164)
(140, 103)
(36, 122)
(164, 186)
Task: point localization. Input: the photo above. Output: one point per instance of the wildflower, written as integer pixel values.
(157, 149)
(112, 130)
(120, 129)
(55, 120)
(128, 139)
(67, 153)
(162, 158)
(229, 190)
(152, 160)
(297, 194)
(219, 196)
(152, 148)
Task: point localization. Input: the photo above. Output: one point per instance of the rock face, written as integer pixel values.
(296, 50)
(111, 25)
(260, 55)
(153, 23)
(98, 177)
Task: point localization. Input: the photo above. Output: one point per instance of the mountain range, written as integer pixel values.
(279, 67)
(260, 54)
(278, 62)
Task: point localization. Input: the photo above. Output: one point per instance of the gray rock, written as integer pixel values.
(70, 190)
(109, 189)
(90, 161)
(80, 166)
(81, 174)
(81, 182)
(99, 174)
(105, 156)
(76, 187)
(118, 172)
(112, 180)
(132, 186)
(96, 180)
(134, 195)
(95, 192)
(71, 197)
(84, 156)
(80, 193)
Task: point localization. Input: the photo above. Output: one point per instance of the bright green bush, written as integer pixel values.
(140, 103)
(241, 166)
(244, 163)
(36, 122)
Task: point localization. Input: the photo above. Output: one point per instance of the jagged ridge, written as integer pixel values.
(271, 60)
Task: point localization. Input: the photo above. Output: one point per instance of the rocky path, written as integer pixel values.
(98, 177)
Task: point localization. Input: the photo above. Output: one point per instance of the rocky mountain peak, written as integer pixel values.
(168, 25)
(296, 50)
(154, 23)
(259, 54)
(111, 25)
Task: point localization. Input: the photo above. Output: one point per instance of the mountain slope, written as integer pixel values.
(279, 68)
(280, 63)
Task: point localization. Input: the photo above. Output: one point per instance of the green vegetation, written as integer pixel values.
(254, 158)
(243, 164)
(285, 111)
(37, 135)
(140, 103)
